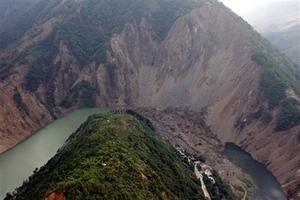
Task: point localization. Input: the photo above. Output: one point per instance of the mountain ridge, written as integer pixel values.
(203, 58)
(113, 156)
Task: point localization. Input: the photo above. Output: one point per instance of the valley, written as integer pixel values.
(203, 76)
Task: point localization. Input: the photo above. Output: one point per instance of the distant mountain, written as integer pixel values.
(59, 55)
(280, 23)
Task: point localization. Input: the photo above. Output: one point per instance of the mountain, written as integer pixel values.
(114, 156)
(279, 22)
(60, 55)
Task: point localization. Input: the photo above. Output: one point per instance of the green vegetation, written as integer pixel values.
(5, 67)
(289, 115)
(33, 78)
(278, 73)
(83, 93)
(86, 28)
(42, 67)
(201, 158)
(19, 102)
(87, 33)
(247, 181)
(141, 118)
(114, 156)
(273, 87)
(264, 115)
(218, 190)
(88, 25)
(258, 114)
(23, 16)
(166, 12)
(111, 67)
(267, 117)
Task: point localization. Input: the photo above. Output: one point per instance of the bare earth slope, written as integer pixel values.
(203, 62)
(204, 65)
(16, 125)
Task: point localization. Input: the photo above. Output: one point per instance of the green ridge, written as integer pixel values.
(114, 156)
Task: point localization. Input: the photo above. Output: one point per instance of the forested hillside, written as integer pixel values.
(60, 55)
(114, 156)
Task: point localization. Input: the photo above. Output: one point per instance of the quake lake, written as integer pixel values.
(17, 164)
(267, 186)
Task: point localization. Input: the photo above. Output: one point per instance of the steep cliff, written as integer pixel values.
(193, 54)
(21, 114)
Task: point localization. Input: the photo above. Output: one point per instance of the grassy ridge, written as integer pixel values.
(114, 156)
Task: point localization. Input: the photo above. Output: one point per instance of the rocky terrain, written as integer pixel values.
(206, 58)
(186, 128)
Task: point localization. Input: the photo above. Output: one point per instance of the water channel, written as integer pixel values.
(267, 186)
(17, 164)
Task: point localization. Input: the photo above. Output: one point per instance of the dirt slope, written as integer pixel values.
(203, 62)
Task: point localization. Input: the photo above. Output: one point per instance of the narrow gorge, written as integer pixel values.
(152, 56)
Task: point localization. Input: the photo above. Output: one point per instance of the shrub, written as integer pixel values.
(122, 159)
(19, 102)
(273, 87)
(83, 93)
(289, 115)
(258, 113)
(267, 117)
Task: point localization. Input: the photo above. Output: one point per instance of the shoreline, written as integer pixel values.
(64, 114)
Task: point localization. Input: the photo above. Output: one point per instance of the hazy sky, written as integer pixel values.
(243, 7)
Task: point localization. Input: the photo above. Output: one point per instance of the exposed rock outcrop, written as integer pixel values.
(203, 62)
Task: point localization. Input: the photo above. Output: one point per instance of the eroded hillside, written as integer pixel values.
(203, 56)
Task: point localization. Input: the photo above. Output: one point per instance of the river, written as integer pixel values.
(267, 186)
(17, 164)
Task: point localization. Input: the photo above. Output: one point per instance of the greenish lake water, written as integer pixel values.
(17, 164)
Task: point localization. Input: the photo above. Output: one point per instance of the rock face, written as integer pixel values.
(55, 196)
(17, 123)
(204, 61)
(201, 65)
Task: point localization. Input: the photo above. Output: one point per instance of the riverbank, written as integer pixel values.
(180, 126)
(18, 163)
(186, 128)
(266, 184)
(64, 114)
